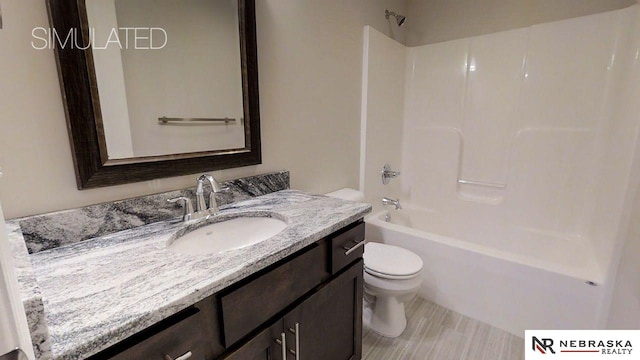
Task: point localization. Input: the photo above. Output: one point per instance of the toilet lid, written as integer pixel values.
(390, 261)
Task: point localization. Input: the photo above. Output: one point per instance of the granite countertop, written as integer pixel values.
(100, 291)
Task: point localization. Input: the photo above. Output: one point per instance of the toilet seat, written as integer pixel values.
(390, 276)
(391, 262)
(376, 285)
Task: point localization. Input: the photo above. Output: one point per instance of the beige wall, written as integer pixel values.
(431, 21)
(310, 57)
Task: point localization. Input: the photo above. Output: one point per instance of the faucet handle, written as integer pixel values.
(188, 208)
(212, 194)
(388, 174)
(215, 185)
(219, 188)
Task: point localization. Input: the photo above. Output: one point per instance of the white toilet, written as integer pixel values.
(392, 276)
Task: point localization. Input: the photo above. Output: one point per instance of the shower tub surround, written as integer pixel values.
(94, 293)
(516, 153)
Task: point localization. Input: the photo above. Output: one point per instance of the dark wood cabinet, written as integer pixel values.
(328, 325)
(325, 325)
(272, 292)
(307, 306)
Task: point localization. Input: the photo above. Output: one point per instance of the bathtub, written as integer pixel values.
(511, 277)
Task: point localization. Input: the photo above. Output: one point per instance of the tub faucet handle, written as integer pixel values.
(388, 201)
(388, 174)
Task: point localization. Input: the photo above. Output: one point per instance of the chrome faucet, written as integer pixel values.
(202, 210)
(396, 203)
(215, 188)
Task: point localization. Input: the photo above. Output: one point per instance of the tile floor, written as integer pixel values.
(434, 332)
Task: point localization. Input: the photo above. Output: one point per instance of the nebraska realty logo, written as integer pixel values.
(591, 344)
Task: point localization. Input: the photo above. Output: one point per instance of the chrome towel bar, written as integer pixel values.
(169, 121)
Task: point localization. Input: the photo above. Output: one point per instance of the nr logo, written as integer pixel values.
(542, 345)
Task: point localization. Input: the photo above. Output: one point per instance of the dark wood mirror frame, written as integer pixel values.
(84, 123)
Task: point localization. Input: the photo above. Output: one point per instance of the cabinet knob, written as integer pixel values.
(184, 356)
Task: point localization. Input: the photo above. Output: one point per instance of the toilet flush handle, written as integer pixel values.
(353, 248)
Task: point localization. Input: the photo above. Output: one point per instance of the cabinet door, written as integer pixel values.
(267, 345)
(329, 323)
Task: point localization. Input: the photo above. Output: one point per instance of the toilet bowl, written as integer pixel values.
(392, 276)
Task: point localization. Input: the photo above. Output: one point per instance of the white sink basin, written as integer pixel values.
(227, 235)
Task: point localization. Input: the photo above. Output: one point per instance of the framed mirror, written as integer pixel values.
(156, 88)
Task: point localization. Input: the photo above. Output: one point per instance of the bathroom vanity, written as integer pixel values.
(122, 292)
(306, 306)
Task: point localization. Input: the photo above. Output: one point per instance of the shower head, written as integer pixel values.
(399, 18)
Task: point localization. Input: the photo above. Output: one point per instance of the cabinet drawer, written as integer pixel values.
(342, 247)
(175, 340)
(250, 305)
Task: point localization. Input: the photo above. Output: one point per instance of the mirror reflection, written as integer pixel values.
(169, 78)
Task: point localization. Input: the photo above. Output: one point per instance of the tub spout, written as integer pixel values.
(396, 203)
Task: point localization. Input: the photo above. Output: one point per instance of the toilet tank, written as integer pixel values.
(347, 194)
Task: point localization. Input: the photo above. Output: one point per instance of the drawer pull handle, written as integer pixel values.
(354, 242)
(353, 248)
(283, 344)
(184, 356)
(296, 331)
(297, 341)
